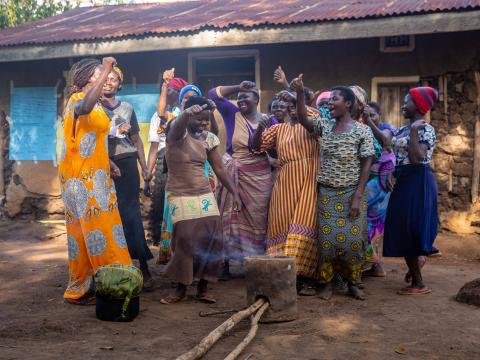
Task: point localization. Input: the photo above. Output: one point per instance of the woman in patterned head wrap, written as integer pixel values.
(94, 228)
(126, 148)
(411, 224)
(361, 100)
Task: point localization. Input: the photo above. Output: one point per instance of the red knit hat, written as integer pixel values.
(177, 84)
(424, 97)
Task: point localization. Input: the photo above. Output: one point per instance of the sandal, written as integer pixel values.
(172, 299)
(206, 298)
(414, 291)
(83, 301)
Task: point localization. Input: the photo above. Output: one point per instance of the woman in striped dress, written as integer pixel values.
(292, 225)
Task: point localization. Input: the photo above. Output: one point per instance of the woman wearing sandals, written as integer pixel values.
(197, 240)
(411, 224)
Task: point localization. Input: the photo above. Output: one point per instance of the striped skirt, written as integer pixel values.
(292, 225)
(245, 232)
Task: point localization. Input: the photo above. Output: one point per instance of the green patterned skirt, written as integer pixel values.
(342, 241)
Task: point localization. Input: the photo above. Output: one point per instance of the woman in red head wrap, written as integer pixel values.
(411, 224)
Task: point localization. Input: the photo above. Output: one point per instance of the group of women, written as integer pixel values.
(320, 178)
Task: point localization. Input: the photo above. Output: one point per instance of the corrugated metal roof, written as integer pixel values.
(108, 22)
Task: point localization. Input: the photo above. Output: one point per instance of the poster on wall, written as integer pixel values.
(33, 130)
(143, 98)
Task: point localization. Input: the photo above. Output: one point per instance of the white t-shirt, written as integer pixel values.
(153, 135)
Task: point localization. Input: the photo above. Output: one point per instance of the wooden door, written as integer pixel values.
(390, 99)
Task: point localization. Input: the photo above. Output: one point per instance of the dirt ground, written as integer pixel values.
(35, 323)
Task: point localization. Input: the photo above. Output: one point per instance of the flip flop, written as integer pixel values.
(206, 298)
(171, 299)
(414, 291)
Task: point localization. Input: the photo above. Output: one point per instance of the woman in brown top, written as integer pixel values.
(197, 241)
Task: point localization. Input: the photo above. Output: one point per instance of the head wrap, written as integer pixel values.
(118, 72)
(360, 95)
(323, 96)
(186, 89)
(177, 83)
(424, 97)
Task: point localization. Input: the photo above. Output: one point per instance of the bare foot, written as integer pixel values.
(375, 271)
(326, 291)
(356, 293)
(421, 263)
(177, 296)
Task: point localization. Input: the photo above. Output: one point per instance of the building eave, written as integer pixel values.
(323, 31)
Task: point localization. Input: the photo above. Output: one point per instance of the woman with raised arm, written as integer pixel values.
(197, 241)
(292, 216)
(125, 149)
(411, 225)
(244, 232)
(94, 228)
(347, 152)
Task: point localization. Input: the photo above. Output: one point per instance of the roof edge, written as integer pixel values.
(304, 32)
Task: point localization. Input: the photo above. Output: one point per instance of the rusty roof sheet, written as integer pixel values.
(109, 22)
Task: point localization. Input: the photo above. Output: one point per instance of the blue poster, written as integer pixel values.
(143, 98)
(33, 123)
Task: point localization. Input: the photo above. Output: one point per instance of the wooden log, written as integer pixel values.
(208, 341)
(251, 334)
(275, 279)
(476, 149)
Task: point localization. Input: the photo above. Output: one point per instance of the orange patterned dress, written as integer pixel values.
(94, 228)
(292, 217)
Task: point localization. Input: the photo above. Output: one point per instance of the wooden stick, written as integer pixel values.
(208, 341)
(251, 334)
(476, 149)
(220, 312)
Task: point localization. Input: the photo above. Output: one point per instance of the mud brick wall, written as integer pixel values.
(453, 156)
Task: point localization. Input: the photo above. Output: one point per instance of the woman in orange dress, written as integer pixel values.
(94, 228)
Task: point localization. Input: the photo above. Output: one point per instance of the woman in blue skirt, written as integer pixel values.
(411, 224)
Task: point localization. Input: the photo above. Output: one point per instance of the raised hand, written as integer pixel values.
(168, 75)
(287, 96)
(279, 76)
(212, 104)
(196, 109)
(109, 62)
(247, 85)
(297, 84)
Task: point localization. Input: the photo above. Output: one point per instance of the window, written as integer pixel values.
(401, 43)
(389, 92)
(210, 69)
